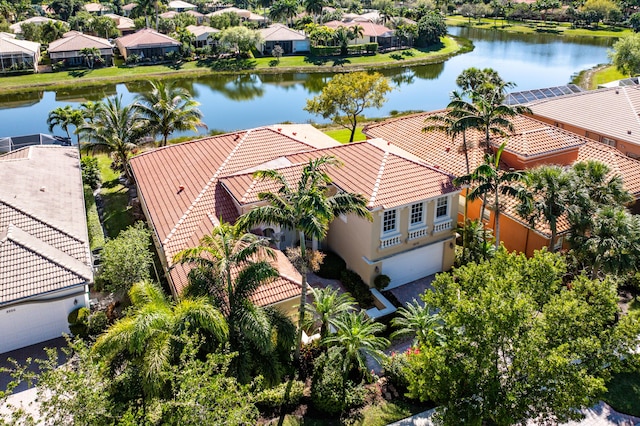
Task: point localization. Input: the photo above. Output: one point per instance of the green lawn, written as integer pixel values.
(116, 210)
(563, 28)
(96, 77)
(343, 135)
(624, 393)
(606, 75)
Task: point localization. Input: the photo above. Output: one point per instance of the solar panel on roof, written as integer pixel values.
(530, 96)
(548, 92)
(556, 91)
(575, 89)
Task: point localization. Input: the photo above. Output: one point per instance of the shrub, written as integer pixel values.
(371, 47)
(277, 396)
(396, 371)
(78, 320)
(331, 393)
(332, 266)
(96, 234)
(381, 281)
(98, 323)
(358, 289)
(325, 50)
(127, 259)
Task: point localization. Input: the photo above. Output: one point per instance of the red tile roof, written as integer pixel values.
(146, 38)
(369, 28)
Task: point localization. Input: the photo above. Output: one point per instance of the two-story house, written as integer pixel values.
(211, 179)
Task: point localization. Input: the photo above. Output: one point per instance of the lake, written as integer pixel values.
(238, 102)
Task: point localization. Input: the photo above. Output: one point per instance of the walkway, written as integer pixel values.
(598, 415)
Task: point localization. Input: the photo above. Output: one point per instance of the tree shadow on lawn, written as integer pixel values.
(79, 73)
(227, 64)
(316, 60)
(340, 62)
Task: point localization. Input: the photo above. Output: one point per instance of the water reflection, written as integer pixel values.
(17, 100)
(84, 94)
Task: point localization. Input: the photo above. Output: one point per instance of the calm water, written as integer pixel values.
(238, 102)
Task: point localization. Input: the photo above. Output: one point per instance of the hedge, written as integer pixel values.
(96, 235)
(358, 288)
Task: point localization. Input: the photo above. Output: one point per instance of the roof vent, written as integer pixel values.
(43, 188)
(628, 132)
(180, 188)
(279, 129)
(295, 133)
(447, 149)
(236, 138)
(617, 91)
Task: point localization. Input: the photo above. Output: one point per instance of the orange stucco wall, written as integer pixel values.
(563, 158)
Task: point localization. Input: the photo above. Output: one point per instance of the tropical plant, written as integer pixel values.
(239, 39)
(89, 54)
(314, 7)
(116, 129)
(342, 37)
(283, 10)
(477, 244)
(306, 208)
(149, 338)
(490, 179)
(167, 108)
(328, 303)
(356, 337)
(625, 54)
(64, 117)
(53, 30)
(417, 320)
(230, 266)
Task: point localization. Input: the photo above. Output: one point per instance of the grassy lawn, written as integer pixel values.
(624, 393)
(343, 135)
(372, 415)
(116, 199)
(96, 77)
(605, 75)
(563, 28)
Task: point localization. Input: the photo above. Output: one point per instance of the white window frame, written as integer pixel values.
(395, 222)
(447, 214)
(420, 223)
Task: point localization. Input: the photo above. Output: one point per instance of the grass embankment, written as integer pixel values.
(79, 78)
(115, 197)
(623, 393)
(96, 235)
(590, 79)
(537, 27)
(343, 135)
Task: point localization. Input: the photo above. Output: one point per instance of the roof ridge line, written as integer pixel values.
(249, 190)
(635, 112)
(205, 189)
(48, 225)
(376, 186)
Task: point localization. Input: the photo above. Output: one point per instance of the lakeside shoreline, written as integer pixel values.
(29, 82)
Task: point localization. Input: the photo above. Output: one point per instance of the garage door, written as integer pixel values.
(412, 265)
(24, 325)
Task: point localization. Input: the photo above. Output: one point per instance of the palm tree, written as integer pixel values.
(307, 209)
(89, 54)
(327, 305)
(343, 36)
(167, 109)
(356, 337)
(417, 320)
(53, 30)
(357, 32)
(230, 265)
(314, 7)
(65, 117)
(546, 197)
(116, 129)
(490, 179)
(149, 337)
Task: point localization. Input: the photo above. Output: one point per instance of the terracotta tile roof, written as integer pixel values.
(122, 22)
(619, 164)
(146, 38)
(243, 13)
(612, 112)
(179, 4)
(95, 7)
(129, 6)
(202, 30)
(179, 184)
(384, 178)
(43, 233)
(279, 32)
(370, 29)
(74, 41)
(286, 286)
(38, 20)
(11, 45)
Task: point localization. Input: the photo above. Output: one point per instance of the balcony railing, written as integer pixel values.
(418, 233)
(388, 242)
(442, 226)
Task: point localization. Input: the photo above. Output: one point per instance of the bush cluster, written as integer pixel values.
(332, 266)
(90, 172)
(381, 281)
(281, 395)
(331, 392)
(356, 49)
(358, 288)
(396, 371)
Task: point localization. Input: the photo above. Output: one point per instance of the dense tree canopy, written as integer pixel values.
(430, 28)
(626, 54)
(518, 344)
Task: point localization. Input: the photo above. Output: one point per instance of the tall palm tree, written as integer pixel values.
(489, 179)
(546, 197)
(357, 32)
(417, 320)
(149, 337)
(116, 129)
(314, 8)
(89, 54)
(327, 305)
(167, 109)
(65, 117)
(356, 337)
(230, 265)
(343, 36)
(305, 208)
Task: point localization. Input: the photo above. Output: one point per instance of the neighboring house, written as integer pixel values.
(373, 33)
(128, 8)
(45, 262)
(38, 20)
(609, 116)
(96, 8)
(18, 54)
(68, 49)
(181, 6)
(146, 43)
(244, 14)
(531, 144)
(125, 25)
(290, 40)
(204, 34)
(411, 235)
(172, 14)
(13, 143)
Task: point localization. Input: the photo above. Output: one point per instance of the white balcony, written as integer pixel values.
(442, 226)
(389, 242)
(418, 233)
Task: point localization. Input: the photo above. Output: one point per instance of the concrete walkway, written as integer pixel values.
(598, 415)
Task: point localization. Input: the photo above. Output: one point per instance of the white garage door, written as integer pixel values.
(24, 325)
(413, 265)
